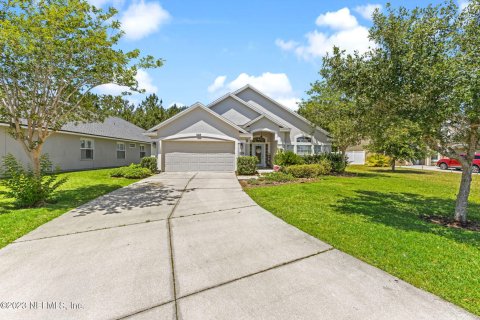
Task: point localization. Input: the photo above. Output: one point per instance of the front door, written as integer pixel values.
(259, 152)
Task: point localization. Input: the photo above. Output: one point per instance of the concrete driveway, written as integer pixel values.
(194, 246)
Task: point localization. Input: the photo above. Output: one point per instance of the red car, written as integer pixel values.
(446, 163)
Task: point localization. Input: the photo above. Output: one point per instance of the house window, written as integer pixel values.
(258, 139)
(121, 152)
(303, 149)
(318, 149)
(289, 147)
(142, 151)
(132, 145)
(304, 139)
(86, 149)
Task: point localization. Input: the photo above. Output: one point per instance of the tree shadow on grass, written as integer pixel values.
(404, 211)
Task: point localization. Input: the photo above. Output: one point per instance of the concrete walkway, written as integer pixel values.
(194, 246)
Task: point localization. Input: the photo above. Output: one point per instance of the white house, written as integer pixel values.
(244, 122)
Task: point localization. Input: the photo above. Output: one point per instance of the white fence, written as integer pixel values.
(356, 157)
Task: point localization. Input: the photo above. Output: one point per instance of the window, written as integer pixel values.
(86, 149)
(258, 139)
(132, 145)
(304, 149)
(304, 139)
(121, 153)
(477, 156)
(142, 151)
(317, 149)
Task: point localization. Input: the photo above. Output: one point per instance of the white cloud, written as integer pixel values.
(143, 18)
(366, 11)
(144, 82)
(341, 20)
(275, 85)
(286, 45)
(343, 31)
(217, 84)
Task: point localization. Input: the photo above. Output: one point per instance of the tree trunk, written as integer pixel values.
(462, 196)
(35, 158)
(343, 151)
(393, 164)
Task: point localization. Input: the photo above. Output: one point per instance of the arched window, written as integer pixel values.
(258, 139)
(304, 139)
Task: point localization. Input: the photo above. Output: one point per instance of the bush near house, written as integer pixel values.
(247, 165)
(277, 177)
(133, 171)
(309, 170)
(378, 160)
(287, 158)
(150, 163)
(27, 188)
(337, 161)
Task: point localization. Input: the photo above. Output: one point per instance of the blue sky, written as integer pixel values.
(212, 47)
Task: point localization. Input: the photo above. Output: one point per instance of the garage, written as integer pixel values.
(199, 155)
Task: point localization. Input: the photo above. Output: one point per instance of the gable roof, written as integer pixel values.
(234, 97)
(248, 86)
(266, 117)
(112, 127)
(190, 109)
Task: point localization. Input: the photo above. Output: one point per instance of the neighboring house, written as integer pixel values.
(112, 143)
(245, 122)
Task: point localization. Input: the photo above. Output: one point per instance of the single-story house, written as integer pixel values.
(245, 122)
(80, 146)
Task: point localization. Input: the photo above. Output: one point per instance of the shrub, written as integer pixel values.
(133, 171)
(287, 158)
(378, 160)
(247, 165)
(150, 163)
(337, 161)
(277, 177)
(27, 188)
(309, 170)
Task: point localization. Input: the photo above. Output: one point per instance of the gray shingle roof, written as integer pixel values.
(112, 127)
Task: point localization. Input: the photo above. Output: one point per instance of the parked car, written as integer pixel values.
(446, 163)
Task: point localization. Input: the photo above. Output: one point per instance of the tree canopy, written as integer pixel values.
(52, 54)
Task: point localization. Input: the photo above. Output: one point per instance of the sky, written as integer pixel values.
(213, 47)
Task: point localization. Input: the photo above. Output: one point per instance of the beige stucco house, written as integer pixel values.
(245, 122)
(81, 146)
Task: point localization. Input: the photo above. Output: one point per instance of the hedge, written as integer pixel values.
(309, 170)
(133, 171)
(150, 163)
(247, 165)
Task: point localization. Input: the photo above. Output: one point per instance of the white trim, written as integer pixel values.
(130, 145)
(266, 116)
(248, 86)
(191, 108)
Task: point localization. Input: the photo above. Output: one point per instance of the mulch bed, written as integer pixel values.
(449, 222)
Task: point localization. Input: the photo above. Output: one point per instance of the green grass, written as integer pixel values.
(375, 216)
(81, 187)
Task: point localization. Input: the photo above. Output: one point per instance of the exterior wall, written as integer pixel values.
(235, 111)
(64, 151)
(298, 126)
(197, 121)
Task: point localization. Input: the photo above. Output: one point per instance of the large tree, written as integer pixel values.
(329, 108)
(52, 54)
(424, 69)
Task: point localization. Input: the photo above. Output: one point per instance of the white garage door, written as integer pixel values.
(356, 157)
(199, 156)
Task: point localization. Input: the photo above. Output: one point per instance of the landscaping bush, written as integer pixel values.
(378, 160)
(337, 161)
(277, 177)
(150, 163)
(27, 188)
(309, 170)
(247, 165)
(287, 158)
(133, 171)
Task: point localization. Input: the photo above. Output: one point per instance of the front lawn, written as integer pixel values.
(81, 187)
(375, 216)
